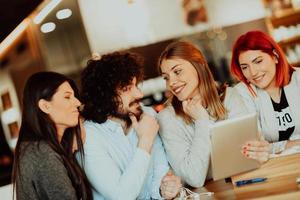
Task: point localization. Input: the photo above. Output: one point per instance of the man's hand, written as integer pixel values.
(146, 129)
(170, 186)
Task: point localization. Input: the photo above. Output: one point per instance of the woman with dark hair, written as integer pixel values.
(195, 103)
(44, 165)
(270, 86)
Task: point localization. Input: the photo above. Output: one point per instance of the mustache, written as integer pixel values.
(137, 115)
(137, 101)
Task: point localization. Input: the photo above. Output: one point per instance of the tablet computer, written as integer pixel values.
(227, 138)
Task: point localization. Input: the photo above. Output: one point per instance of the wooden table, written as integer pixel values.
(281, 172)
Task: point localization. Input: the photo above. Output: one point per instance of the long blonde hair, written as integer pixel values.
(212, 96)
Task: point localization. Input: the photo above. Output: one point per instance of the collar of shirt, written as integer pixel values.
(116, 128)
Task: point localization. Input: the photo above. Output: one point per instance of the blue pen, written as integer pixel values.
(249, 181)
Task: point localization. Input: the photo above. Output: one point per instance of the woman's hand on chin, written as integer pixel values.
(194, 108)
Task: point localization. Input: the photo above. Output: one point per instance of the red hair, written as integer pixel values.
(257, 40)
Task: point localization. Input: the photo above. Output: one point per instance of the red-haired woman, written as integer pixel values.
(269, 86)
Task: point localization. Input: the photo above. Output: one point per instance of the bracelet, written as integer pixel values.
(186, 194)
(278, 147)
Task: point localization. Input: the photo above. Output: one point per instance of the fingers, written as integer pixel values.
(166, 194)
(259, 156)
(184, 104)
(170, 179)
(170, 176)
(256, 143)
(171, 184)
(197, 96)
(133, 120)
(192, 101)
(194, 108)
(169, 189)
(170, 173)
(167, 178)
(256, 146)
(257, 150)
(196, 99)
(255, 154)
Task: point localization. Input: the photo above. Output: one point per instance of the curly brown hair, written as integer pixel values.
(102, 78)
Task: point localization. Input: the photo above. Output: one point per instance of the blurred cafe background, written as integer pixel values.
(61, 35)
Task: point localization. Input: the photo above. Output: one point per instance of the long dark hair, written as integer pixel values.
(37, 126)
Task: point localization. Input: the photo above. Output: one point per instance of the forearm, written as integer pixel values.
(145, 144)
(197, 159)
(291, 143)
(278, 147)
(131, 181)
(160, 167)
(191, 160)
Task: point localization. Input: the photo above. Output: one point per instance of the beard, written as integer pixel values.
(124, 115)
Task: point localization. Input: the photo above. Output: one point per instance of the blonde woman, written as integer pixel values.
(196, 102)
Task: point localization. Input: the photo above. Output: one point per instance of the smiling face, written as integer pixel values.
(130, 97)
(62, 108)
(181, 78)
(259, 68)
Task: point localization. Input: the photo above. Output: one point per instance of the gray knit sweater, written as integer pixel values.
(42, 174)
(188, 145)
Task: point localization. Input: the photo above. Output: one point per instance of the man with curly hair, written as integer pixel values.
(124, 156)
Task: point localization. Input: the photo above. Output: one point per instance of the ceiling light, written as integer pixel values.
(45, 11)
(48, 27)
(64, 13)
(5, 44)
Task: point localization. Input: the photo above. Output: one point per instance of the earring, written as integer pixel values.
(276, 56)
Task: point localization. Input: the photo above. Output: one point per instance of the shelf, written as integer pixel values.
(297, 64)
(285, 13)
(286, 17)
(289, 42)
